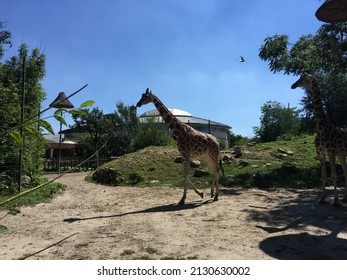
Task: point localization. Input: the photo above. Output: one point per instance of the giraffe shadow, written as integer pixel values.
(305, 246)
(302, 230)
(157, 209)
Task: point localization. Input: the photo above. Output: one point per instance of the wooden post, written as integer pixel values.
(22, 115)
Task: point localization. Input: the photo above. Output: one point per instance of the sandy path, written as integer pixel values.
(133, 223)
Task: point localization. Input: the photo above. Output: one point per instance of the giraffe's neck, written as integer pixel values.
(174, 124)
(321, 121)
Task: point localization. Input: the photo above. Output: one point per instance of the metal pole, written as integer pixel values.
(59, 154)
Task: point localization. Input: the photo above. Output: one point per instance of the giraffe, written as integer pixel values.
(330, 140)
(190, 143)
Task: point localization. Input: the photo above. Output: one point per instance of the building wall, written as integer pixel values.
(219, 132)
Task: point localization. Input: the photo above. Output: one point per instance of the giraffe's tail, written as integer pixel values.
(221, 167)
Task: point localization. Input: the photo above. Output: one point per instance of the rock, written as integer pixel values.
(289, 169)
(285, 153)
(200, 173)
(135, 178)
(108, 175)
(251, 144)
(260, 175)
(243, 163)
(178, 159)
(195, 163)
(267, 164)
(227, 158)
(154, 181)
(26, 180)
(237, 151)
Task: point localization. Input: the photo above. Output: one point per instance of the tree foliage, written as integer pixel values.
(276, 120)
(121, 129)
(96, 125)
(10, 111)
(323, 54)
(124, 125)
(5, 38)
(151, 133)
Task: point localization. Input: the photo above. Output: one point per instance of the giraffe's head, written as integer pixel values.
(145, 99)
(304, 81)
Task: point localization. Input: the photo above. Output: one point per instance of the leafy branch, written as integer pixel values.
(28, 124)
(52, 180)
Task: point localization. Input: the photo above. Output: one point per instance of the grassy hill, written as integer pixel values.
(289, 164)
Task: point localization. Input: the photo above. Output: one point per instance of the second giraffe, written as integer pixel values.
(190, 143)
(331, 141)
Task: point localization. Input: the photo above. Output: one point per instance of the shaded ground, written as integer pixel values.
(102, 222)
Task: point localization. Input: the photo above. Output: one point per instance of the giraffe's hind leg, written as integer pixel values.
(195, 189)
(214, 188)
(215, 179)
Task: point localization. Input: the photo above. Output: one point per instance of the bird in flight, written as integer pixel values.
(242, 59)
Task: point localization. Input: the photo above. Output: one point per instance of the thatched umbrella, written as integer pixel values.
(61, 102)
(333, 11)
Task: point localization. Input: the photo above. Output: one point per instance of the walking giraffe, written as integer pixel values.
(330, 141)
(190, 143)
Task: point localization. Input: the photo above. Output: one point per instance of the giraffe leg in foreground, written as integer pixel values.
(187, 181)
(321, 200)
(342, 160)
(333, 177)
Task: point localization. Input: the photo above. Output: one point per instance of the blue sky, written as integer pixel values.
(186, 51)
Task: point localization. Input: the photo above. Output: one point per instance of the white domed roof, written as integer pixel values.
(175, 112)
(68, 142)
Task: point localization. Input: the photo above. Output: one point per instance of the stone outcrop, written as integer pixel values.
(108, 176)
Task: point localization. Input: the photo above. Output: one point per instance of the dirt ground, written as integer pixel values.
(90, 221)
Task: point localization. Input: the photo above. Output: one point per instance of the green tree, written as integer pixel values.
(11, 81)
(96, 124)
(124, 124)
(276, 120)
(323, 54)
(5, 38)
(151, 133)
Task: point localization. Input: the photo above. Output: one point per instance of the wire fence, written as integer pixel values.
(70, 162)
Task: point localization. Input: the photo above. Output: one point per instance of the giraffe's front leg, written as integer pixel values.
(185, 181)
(321, 200)
(345, 196)
(182, 200)
(342, 160)
(333, 177)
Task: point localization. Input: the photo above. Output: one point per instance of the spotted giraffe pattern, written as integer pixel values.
(190, 143)
(330, 142)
